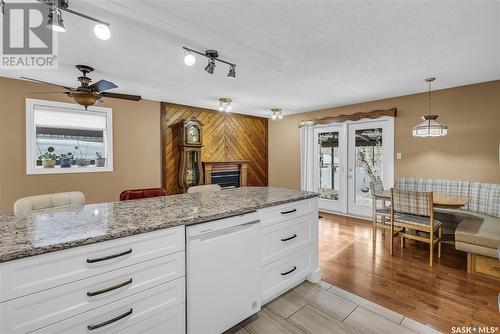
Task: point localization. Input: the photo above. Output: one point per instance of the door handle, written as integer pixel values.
(111, 288)
(289, 271)
(109, 257)
(110, 321)
(289, 238)
(287, 212)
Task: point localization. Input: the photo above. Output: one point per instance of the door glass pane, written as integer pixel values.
(369, 158)
(329, 181)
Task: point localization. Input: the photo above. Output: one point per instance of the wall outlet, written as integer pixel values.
(398, 156)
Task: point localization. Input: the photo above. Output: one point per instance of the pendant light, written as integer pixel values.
(430, 127)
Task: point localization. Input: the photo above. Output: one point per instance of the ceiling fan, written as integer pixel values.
(89, 94)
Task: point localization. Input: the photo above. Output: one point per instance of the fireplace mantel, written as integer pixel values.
(240, 166)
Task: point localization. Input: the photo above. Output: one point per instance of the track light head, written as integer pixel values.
(189, 59)
(55, 21)
(232, 72)
(102, 31)
(210, 66)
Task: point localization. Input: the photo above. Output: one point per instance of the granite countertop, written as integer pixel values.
(61, 228)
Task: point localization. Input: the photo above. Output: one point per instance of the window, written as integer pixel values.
(66, 138)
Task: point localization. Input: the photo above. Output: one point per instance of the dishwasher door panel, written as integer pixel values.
(223, 273)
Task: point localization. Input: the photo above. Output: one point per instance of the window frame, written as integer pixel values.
(31, 168)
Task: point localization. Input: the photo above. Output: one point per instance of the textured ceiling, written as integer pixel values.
(297, 55)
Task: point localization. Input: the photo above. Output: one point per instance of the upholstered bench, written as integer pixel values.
(476, 226)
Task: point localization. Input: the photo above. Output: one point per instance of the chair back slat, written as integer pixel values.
(412, 202)
(376, 186)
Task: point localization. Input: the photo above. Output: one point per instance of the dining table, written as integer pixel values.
(439, 200)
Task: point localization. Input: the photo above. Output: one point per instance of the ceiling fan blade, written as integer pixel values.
(102, 85)
(49, 83)
(46, 92)
(121, 96)
(98, 102)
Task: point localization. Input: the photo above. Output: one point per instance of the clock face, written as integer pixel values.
(193, 134)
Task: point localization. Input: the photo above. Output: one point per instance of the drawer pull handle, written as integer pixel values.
(289, 271)
(287, 212)
(110, 321)
(290, 237)
(109, 257)
(111, 288)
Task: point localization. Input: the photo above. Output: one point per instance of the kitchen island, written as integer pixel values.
(110, 267)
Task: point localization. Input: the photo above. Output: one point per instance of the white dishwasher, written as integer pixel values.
(223, 273)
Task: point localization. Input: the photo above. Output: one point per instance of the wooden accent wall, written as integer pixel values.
(226, 137)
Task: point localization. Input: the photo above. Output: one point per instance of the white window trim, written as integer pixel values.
(31, 138)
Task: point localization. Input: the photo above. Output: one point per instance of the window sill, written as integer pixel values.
(72, 170)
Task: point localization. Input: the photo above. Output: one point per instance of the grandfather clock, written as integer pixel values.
(190, 144)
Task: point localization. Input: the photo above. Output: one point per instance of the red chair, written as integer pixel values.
(142, 193)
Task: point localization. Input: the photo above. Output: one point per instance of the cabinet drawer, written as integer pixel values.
(114, 317)
(284, 212)
(37, 273)
(41, 309)
(283, 274)
(286, 237)
(172, 321)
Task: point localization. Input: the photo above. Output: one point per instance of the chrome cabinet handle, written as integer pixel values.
(289, 238)
(110, 321)
(289, 271)
(109, 257)
(287, 212)
(111, 288)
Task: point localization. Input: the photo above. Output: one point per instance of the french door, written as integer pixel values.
(343, 159)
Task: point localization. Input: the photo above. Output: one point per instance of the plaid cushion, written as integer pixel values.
(376, 186)
(411, 202)
(415, 220)
(484, 197)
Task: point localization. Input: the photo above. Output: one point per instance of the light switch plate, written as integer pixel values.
(398, 156)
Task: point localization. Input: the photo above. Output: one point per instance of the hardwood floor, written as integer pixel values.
(442, 296)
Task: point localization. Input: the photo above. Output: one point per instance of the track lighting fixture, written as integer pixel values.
(213, 56)
(232, 73)
(189, 59)
(102, 31)
(210, 66)
(277, 114)
(55, 20)
(225, 104)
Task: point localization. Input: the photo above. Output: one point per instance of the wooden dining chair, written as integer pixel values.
(413, 211)
(381, 211)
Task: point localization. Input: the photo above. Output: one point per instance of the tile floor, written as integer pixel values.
(323, 308)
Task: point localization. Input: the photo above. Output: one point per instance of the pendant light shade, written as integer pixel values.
(429, 127)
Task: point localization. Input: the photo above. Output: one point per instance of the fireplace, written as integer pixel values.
(226, 179)
(227, 174)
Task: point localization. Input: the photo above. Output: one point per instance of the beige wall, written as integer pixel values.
(136, 145)
(468, 152)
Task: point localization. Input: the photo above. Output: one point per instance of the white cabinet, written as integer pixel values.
(102, 288)
(32, 274)
(289, 248)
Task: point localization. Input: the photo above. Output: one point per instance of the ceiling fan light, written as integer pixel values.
(56, 24)
(102, 31)
(189, 59)
(232, 72)
(210, 66)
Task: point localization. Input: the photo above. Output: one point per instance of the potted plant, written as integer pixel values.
(66, 160)
(48, 158)
(99, 161)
